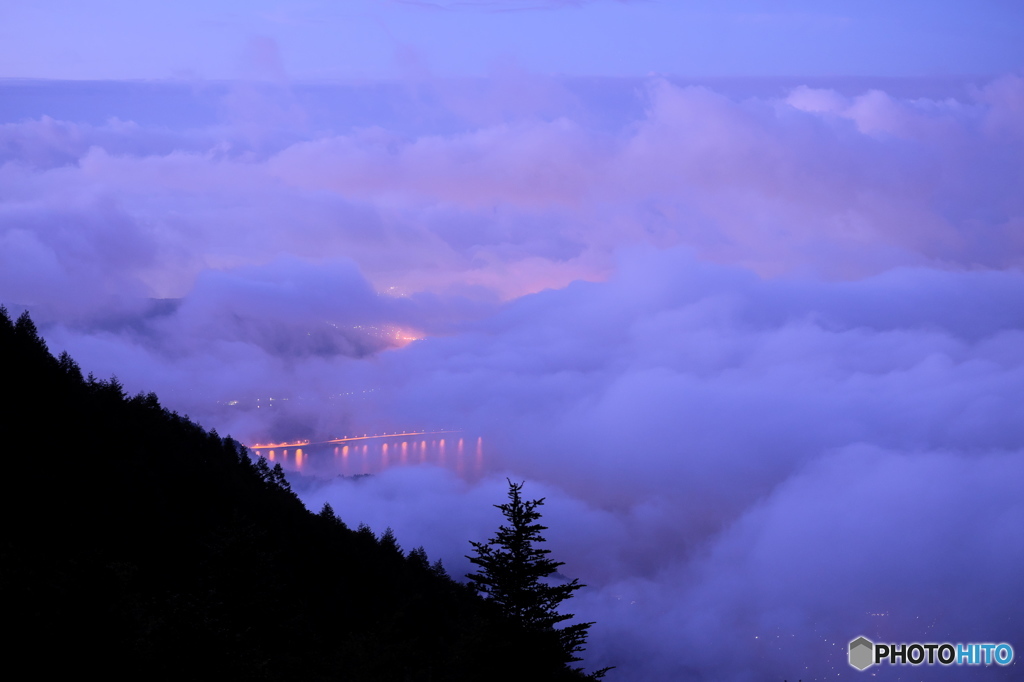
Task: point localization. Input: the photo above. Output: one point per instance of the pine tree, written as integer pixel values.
(513, 572)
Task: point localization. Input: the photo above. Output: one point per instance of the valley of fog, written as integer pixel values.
(759, 345)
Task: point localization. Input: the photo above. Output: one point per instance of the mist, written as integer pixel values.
(759, 345)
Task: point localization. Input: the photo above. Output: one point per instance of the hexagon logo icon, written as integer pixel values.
(862, 653)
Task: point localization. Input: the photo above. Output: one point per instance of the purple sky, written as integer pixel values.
(393, 38)
(737, 286)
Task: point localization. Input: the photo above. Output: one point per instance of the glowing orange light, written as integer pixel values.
(298, 443)
(403, 337)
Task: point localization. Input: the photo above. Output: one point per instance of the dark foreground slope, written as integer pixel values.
(139, 546)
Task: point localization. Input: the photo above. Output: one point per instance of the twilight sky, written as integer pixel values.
(359, 39)
(737, 285)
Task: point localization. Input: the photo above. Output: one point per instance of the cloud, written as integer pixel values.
(813, 183)
(762, 356)
(720, 452)
(895, 547)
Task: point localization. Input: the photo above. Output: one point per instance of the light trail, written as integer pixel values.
(304, 443)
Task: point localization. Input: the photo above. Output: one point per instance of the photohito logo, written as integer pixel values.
(865, 653)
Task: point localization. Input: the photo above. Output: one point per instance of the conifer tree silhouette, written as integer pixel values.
(512, 573)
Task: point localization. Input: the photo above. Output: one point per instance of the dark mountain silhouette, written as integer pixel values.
(137, 545)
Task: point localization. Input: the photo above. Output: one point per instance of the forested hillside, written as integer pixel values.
(138, 545)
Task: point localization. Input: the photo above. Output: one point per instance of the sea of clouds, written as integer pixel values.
(762, 355)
